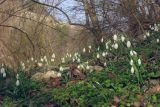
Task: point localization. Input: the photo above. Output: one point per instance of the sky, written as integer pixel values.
(67, 6)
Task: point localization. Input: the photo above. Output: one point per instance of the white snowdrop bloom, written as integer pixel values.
(106, 53)
(4, 75)
(98, 56)
(90, 47)
(17, 83)
(148, 34)
(116, 46)
(53, 55)
(115, 37)
(23, 67)
(105, 64)
(87, 67)
(84, 50)
(103, 54)
(67, 55)
(131, 53)
(73, 59)
(52, 59)
(32, 59)
(134, 52)
(59, 74)
(155, 28)
(131, 62)
(45, 58)
(98, 48)
(82, 66)
(40, 64)
(132, 70)
(122, 38)
(78, 66)
(78, 60)
(63, 60)
(157, 40)
(70, 55)
(102, 40)
(107, 47)
(139, 62)
(128, 44)
(2, 70)
(87, 62)
(42, 59)
(35, 61)
(17, 76)
(144, 36)
(61, 68)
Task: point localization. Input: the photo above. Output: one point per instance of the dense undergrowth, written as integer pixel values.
(130, 77)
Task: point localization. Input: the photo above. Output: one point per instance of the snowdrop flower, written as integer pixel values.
(61, 68)
(132, 70)
(78, 66)
(157, 40)
(22, 65)
(98, 48)
(116, 46)
(4, 75)
(59, 74)
(102, 40)
(107, 47)
(105, 64)
(67, 54)
(134, 52)
(17, 83)
(87, 67)
(2, 70)
(103, 54)
(106, 53)
(148, 34)
(45, 59)
(53, 55)
(52, 59)
(40, 64)
(84, 50)
(131, 53)
(73, 59)
(70, 55)
(122, 38)
(98, 56)
(63, 60)
(42, 59)
(139, 62)
(115, 37)
(32, 59)
(131, 62)
(144, 36)
(82, 66)
(78, 60)
(89, 46)
(17, 76)
(128, 44)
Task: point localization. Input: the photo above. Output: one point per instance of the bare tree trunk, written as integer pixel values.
(89, 7)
